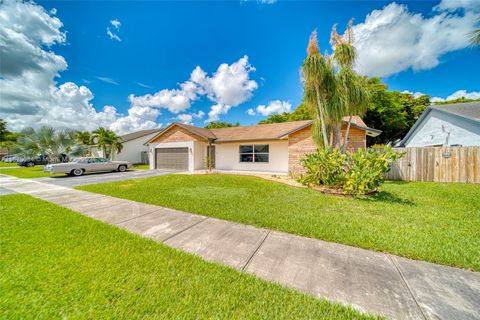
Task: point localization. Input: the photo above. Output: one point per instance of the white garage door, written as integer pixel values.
(172, 158)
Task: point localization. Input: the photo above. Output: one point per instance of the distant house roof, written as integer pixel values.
(468, 110)
(273, 131)
(138, 134)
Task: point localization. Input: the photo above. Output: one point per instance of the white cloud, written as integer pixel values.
(30, 95)
(458, 94)
(108, 80)
(217, 110)
(112, 34)
(273, 107)
(188, 118)
(144, 85)
(416, 94)
(116, 23)
(394, 39)
(451, 5)
(229, 86)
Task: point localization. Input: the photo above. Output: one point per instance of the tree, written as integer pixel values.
(3, 130)
(48, 141)
(218, 124)
(108, 141)
(300, 113)
(83, 137)
(475, 39)
(332, 89)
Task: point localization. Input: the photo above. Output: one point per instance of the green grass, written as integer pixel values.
(7, 164)
(27, 172)
(425, 221)
(55, 263)
(141, 167)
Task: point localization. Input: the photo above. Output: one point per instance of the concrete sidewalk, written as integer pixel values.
(373, 282)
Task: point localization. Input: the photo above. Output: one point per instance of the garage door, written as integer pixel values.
(172, 158)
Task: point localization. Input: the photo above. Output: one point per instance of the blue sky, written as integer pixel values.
(159, 44)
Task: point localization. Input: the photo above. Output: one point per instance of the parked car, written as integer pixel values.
(30, 162)
(9, 159)
(79, 166)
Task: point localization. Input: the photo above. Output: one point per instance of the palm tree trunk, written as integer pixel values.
(347, 132)
(337, 135)
(322, 117)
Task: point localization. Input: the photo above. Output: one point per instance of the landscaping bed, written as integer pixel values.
(434, 222)
(56, 263)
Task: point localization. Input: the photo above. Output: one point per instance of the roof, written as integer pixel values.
(468, 110)
(138, 134)
(273, 131)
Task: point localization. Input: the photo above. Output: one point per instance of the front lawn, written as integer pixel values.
(7, 164)
(56, 263)
(27, 172)
(141, 167)
(425, 221)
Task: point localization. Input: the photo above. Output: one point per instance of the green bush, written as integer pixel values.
(357, 173)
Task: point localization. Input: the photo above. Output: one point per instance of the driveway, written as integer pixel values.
(93, 178)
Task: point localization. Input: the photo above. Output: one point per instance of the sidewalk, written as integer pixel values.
(373, 282)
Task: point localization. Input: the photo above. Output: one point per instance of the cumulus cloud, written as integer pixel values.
(458, 94)
(416, 94)
(229, 86)
(30, 95)
(394, 39)
(188, 118)
(273, 107)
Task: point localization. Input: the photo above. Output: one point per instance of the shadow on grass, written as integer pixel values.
(388, 197)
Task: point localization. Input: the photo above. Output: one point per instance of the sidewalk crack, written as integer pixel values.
(254, 253)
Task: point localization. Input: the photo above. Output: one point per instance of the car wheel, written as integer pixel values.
(77, 172)
(122, 168)
(30, 164)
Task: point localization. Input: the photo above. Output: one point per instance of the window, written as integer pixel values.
(254, 153)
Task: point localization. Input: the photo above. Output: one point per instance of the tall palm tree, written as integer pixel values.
(48, 141)
(107, 141)
(475, 39)
(83, 137)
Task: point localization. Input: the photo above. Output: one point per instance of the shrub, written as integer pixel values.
(357, 173)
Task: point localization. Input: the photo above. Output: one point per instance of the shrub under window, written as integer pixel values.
(254, 153)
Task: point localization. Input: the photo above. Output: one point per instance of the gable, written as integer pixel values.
(176, 134)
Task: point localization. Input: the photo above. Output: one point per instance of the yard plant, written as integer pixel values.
(435, 222)
(58, 264)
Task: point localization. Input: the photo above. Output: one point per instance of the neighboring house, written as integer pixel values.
(269, 148)
(134, 148)
(446, 125)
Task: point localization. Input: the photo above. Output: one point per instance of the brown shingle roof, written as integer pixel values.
(272, 131)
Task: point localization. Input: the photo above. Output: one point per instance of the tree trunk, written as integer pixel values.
(322, 118)
(347, 132)
(337, 135)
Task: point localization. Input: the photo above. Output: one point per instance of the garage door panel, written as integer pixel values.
(172, 158)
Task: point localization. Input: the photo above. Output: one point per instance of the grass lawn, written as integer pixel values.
(27, 172)
(56, 263)
(424, 221)
(141, 167)
(7, 164)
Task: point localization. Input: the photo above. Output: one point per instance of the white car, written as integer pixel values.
(79, 166)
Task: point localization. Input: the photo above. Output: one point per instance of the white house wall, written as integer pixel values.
(132, 149)
(227, 157)
(199, 154)
(439, 128)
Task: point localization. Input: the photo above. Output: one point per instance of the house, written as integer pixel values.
(267, 148)
(134, 148)
(446, 125)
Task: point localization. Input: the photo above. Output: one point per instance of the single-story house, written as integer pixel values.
(134, 148)
(269, 148)
(446, 125)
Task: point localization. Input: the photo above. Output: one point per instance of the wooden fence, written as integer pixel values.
(438, 164)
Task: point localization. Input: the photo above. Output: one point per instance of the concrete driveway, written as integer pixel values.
(93, 178)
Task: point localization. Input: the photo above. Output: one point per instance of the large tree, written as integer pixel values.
(48, 141)
(219, 124)
(108, 141)
(332, 89)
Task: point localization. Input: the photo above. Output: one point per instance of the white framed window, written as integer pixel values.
(254, 153)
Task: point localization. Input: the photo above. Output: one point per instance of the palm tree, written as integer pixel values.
(332, 89)
(475, 39)
(107, 141)
(48, 141)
